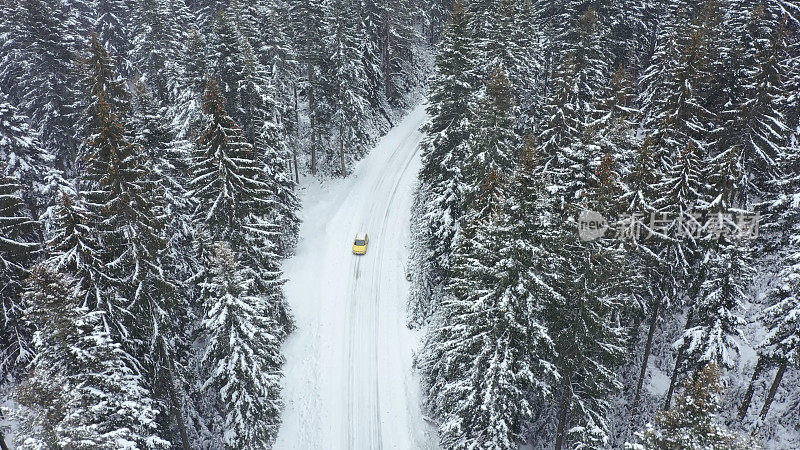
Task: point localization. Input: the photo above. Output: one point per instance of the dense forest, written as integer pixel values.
(149, 154)
(679, 335)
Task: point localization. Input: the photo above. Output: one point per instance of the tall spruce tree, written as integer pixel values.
(694, 422)
(235, 203)
(80, 392)
(452, 110)
(18, 249)
(242, 357)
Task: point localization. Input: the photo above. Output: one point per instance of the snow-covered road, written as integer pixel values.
(349, 383)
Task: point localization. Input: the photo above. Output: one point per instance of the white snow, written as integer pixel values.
(349, 381)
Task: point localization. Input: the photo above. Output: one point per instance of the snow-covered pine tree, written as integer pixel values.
(489, 361)
(349, 89)
(157, 45)
(257, 106)
(308, 26)
(74, 250)
(242, 355)
(234, 201)
(398, 44)
(586, 322)
(693, 423)
(503, 42)
(756, 121)
(39, 73)
(110, 20)
(440, 195)
(18, 249)
(25, 159)
(280, 55)
(227, 58)
(168, 158)
(491, 151)
(578, 86)
(716, 326)
(99, 79)
(186, 110)
(80, 392)
(781, 346)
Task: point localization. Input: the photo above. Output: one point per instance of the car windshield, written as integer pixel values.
(360, 242)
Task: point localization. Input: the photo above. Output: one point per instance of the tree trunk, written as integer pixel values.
(648, 347)
(678, 360)
(3, 445)
(563, 414)
(773, 389)
(341, 152)
(177, 409)
(673, 380)
(748, 396)
(296, 134)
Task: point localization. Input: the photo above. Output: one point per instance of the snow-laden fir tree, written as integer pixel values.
(348, 89)
(587, 324)
(110, 20)
(693, 423)
(25, 158)
(74, 249)
(18, 249)
(257, 106)
(440, 195)
(126, 204)
(756, 122)
(308, 32)
(99, 80)
(781, 346)
(227, 58)
(241, 359)
(81, 392)
(158, 42)
(490, 365)
(715, 329)
(234, 201)
(38, 72)
(186, 111)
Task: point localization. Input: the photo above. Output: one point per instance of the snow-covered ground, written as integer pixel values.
(349, 382)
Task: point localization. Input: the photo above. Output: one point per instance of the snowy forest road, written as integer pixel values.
(349, 383)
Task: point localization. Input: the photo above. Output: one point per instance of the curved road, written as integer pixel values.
(349, 383)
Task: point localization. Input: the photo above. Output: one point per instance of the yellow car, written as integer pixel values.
(360, 244)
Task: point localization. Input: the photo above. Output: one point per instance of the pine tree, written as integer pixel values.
(186, 111)
(489, 360)
(693, 422)
(309, 32)
(349, 90)
(491, 155)
(109, 20)
(757, 124)
(25, 159)
(80, 393)
(157, 45)
(242, 356)
(782, 316)
(452, 110)
(42, 63)
(99, 80)
(18, 250)
(74, 249)
(716, 321)
(234, 200)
